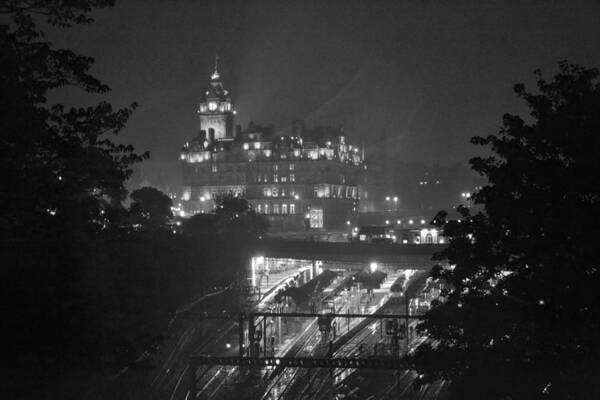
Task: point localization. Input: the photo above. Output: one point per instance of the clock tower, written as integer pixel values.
(215, 110)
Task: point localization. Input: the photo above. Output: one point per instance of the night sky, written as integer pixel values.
(428, 74)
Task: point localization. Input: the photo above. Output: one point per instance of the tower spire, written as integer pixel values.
(215, 74)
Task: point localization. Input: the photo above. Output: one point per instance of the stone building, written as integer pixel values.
(306, 179)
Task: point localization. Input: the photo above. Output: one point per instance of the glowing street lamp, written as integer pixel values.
(373, 267)
(395, 199)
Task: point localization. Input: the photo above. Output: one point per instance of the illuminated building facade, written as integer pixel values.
(303, 180)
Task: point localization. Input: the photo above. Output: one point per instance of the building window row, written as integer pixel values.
(278, 191)
(276, 208)
(276, 178)
(335, 191)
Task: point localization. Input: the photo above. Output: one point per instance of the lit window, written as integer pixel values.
(266, 208)
(214, 168)
(318, 191)
(291, 167)
(283, 179)
(292, 208)
(284, 208)
(316, 218)
(257, 145)
(275, 208)
(267, 192)
(275, 178)
(246, 146)
(259, 208)
(292, 178)
(282, 192)
(275, 167)
(275, 192)
(212, 106)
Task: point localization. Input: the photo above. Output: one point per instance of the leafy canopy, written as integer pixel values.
(59, 163)
(150, 207)
(62, 189)
(521, 316)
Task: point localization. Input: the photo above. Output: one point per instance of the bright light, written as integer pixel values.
(387, 198)
(410, 221)
(395, 198)
(387, 221)
(307, 215)
(296, 197)
(398, 222)
(182, 213)
(347, 222)
(422, 222)
(373, 267)
(202, 198)
(228, 345)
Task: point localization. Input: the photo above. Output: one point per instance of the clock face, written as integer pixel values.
(212, 106)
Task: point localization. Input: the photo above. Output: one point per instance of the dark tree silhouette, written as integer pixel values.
(151, 208)
(236, 218)
(57, 162)
(63, 186)
(521, 317)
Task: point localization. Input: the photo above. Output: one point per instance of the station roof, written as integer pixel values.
(416, 255)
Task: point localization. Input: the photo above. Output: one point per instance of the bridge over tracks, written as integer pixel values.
(400, 255)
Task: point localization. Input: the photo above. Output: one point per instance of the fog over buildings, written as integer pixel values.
(427, 76)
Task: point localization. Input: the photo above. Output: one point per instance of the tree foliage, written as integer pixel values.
(229, 232)
(237, 219)
(150, 208)
(62, 190)
(57, 161)
(521, 316)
